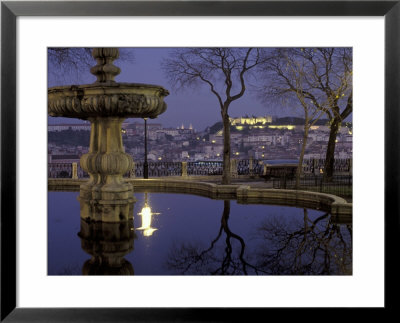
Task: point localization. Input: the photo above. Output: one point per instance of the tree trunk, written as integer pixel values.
(330, 151)
(226, 174)
(303, 149)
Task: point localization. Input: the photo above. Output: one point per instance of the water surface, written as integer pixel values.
(193, 235)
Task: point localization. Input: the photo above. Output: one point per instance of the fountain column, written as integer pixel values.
(106, 196)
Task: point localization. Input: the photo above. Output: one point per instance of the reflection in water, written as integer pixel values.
(147, 215)
(307, 247)
(107, 243)
(200, 236)
(190, 259)
(285, 247)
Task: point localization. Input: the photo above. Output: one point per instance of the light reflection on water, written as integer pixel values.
(174, 234)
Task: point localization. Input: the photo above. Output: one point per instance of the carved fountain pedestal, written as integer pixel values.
(106, 104)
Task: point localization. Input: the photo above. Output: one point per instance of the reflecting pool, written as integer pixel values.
(181, 234)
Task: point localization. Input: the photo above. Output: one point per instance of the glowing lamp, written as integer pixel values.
(147, 214)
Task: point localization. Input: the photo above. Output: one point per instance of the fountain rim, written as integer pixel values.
(108, 85)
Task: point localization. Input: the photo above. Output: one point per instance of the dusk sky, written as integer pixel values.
(198, 107)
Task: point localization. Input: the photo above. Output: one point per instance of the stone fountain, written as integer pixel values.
(106, 104)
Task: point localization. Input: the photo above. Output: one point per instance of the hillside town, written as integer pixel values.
(263, 138)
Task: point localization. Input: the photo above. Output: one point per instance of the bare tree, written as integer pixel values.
(326, 84)
(286, 78)
(334, 81)
(223, 71)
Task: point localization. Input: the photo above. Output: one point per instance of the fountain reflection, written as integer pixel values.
(147, 215)
(314, 245)
(108, 243)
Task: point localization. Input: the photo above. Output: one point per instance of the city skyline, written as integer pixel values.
(262, 138)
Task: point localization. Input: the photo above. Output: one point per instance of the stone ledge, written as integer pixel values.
(244, 194)
(64, 184)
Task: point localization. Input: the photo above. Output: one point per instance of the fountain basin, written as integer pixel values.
(124, 100)
(244, 194)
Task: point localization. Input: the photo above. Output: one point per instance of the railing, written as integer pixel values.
(157, 169)
(315, 166)
(339, 185)
(250, 167)
(59, 170)
(200, 168)
(205, 168)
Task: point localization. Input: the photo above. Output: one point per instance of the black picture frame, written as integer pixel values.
(10, 10)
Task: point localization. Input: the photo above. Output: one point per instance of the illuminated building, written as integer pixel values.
(250, 120)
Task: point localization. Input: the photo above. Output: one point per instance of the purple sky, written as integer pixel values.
(198, 107)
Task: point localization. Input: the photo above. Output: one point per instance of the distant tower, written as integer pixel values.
(191, 127)
(182, 127)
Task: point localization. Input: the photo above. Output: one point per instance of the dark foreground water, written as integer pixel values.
(193, 235)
